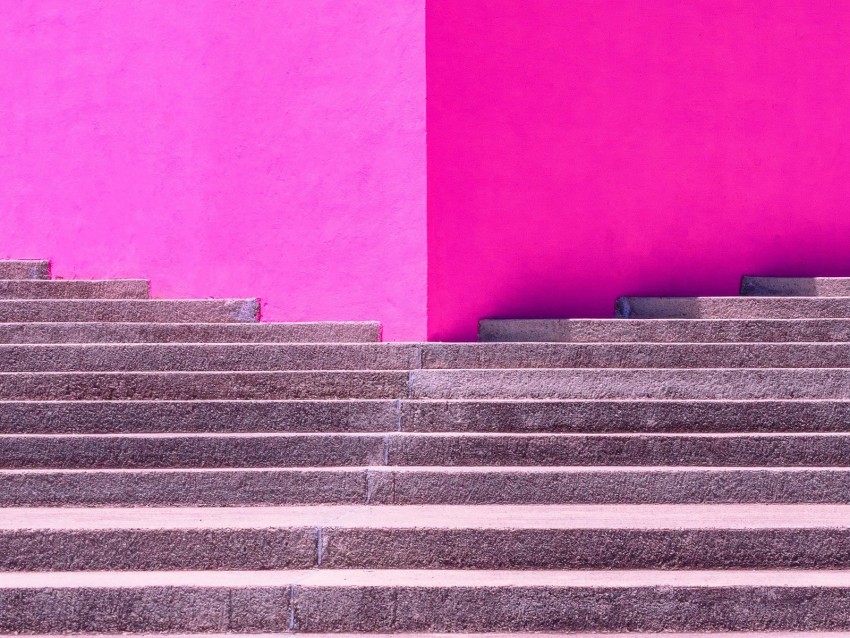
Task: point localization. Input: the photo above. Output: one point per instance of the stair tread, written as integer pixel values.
(481, 517)
(425, 578)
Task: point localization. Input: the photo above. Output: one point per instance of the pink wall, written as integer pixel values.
(222, 148)
(585, 149)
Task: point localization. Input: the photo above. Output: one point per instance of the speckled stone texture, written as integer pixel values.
(24, 269)
(795, 286)
(733, 307)
(176, 467)
(136, 310)
(71, 289)
(134, 332)
(664, 330)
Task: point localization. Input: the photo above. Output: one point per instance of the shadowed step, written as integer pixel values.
(795, 286)
(663, 330)
(733, 307)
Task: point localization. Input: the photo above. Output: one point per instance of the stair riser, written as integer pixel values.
(24, 269)
(169, 311)
(165, 488)
(419, 487)
(664, 330)
(271, 357)
(795, 287)
(195, 386)
(452, 609)
(193, 452)
(210, 357)
(436, 609)
(145, 609)
(625, 355)
(381, 548)
(418, 450)
(620, 416)
(94, 332)
(631, 384)
(33, 417)
(91, 417)
(67, 289)
(733, 308)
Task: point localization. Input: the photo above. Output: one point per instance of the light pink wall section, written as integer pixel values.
(579, 150)
(222, 148)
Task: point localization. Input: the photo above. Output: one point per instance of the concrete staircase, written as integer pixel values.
(177, 467)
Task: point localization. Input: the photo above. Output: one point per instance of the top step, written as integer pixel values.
(795, 286)
(24, 269)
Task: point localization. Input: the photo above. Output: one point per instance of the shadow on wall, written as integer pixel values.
(582, 151)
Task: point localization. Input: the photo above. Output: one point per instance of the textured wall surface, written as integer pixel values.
(582, 150)
(222, 148)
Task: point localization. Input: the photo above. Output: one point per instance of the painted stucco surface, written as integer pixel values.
(222, 148)
(582, 150)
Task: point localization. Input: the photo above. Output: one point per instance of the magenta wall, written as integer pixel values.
(222, 148)
(585, 149)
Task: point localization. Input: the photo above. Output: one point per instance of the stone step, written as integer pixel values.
(423, 486)
(733, 307)
(795, 286)
(496, 416)
(625, 383)
(135, 451)
(24, 269)
(427, 537)
(92, 417)
(578, 415)
(135, 310)
(424, 600)
(30, 386)
(74, 289)
(107, 332)
(626, 355)
(662, 330)
(398, 356)
(218, 357)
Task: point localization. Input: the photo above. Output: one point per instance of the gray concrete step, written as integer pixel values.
(795, 286)
(733, 307)
(74, 289)
(215, 357)
(662, 330)
(589, 415)
(427, 537)
(24, 269)
(134, 310)
(130, 332)
(133, 451)
(424, 600)
(30, 386)
(630, 383)
(92, 417)
(398, 356)
(378, 485)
